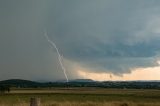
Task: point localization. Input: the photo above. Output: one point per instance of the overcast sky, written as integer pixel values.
(101, 36)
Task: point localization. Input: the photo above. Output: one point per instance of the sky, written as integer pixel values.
(97, 39)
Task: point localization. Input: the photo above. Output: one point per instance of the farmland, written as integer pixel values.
(82, 96)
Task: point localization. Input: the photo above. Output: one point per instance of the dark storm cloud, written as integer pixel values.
(102, 35)
(110, 35)
(25, 52)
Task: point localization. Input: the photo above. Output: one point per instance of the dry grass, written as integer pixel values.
(83, 97)
(101, 104)
(86, 104)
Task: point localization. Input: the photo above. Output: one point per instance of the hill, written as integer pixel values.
(19, 83)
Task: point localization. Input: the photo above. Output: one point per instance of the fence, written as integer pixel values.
(35, 102)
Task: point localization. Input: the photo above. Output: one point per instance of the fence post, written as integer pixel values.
(35, 102)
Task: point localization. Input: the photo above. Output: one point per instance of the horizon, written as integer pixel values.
(82, 80)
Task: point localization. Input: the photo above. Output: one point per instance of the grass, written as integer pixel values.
(82, 97)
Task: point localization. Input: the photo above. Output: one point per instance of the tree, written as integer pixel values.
(4, 89)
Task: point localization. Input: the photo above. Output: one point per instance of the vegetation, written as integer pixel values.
(82, 97)
(83, 83)
(4, 88)
(80, 93)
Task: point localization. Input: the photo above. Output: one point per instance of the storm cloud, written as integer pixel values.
(101, 35)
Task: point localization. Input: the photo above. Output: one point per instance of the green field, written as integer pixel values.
(82, 97)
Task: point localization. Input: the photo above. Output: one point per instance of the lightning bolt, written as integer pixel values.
(59, 56)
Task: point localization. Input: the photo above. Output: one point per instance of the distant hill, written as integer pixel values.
(19, 83)
(76, 80)
(13, 81)
(82, 80)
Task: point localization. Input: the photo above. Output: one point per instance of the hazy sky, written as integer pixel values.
(94, 36)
